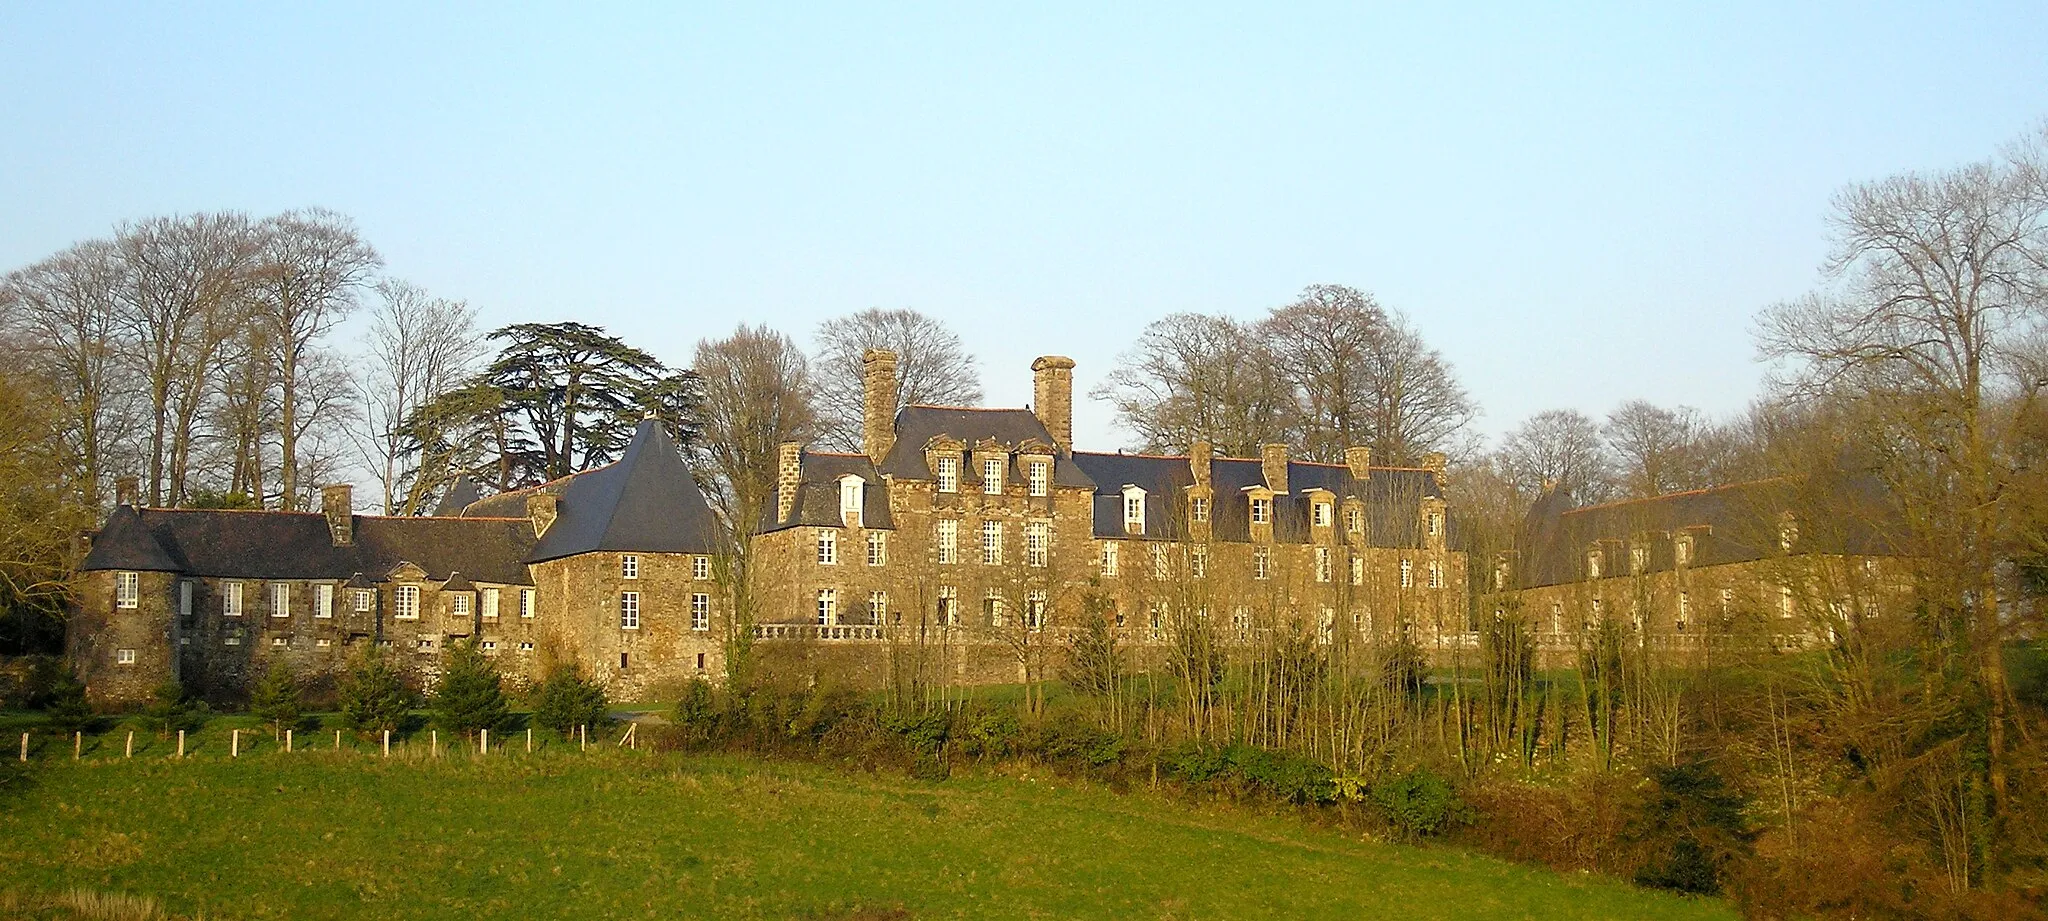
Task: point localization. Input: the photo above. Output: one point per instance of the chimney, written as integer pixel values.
(1273, 460)
(1434, 462)
(339, 503)
(1199, 455)
(1359, 460)
(789, 470)
(125, 488)
(541, 509)
(1052, 380)
(878, 402)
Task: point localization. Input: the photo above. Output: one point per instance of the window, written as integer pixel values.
(1681, 551)
(526, 602)
(1727, 600)
(992, 543)
(1436, 523)
(1037, 534)
(1262, 511)
(1034, 610)
(1436, 574)
(700, 611)
(232, 639)
(625, 660)
(878, 607)
(1785, 604)
(124, 657)
(1109, 558)
(323, 642)
(231, 599)
(878, 548)
(1198, 509)
(1638, 559)
(323, 600)
(362, 601)
(1262, 563)
(1198, 562)
(629, 566)
(127, 589)
(1155, 620)
(949, 605)
(423, 645)
(949, 541)
(828, 607)
(949, 474)
(629, 610)
(185, 598)
(828, 547)
(280, 599)
(525, 647)
(1159, 568)
(1321, 514)
(1684, 609)
(458, 604)
(1354, 521)
(852, 494)
(992, 607)
(1557, 617)
(1134, 510)
(490, 646)
(700, 661)
(700, 567)
(1788, 532)
(1407, 573)
(1240, 621)
(1358, 570)
(992, 476)
(490, 604)
(280, 641)
(1592, 564)
(1322, 564)
(405, 602)
(1040, 476)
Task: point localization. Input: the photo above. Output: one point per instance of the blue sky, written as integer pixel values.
(1577, 206)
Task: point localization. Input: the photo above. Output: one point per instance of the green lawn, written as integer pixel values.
(621, 834)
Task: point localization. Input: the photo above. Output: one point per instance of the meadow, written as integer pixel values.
(617, 833)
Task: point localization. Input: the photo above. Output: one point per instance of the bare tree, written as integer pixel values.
(1362, 375)
(757, 395)
(418, 347)
(66, 308)
(1193, 378)
(1656, 450)
(1558, 448)
(932, 367)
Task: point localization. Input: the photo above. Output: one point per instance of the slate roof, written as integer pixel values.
(461, 495)
(817, 497)
(297, 545)
(917, 425)
(1843, 513)
(647, 501)
(1391, 496)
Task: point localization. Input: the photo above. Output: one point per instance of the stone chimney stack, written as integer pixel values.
(1359, 460)
(878, 402)
(789, 471)
(1434, 462)
(339, 503)
(1199, 455)
(1052, 380)
(541, 509)
(1273, 461)
(125, 488)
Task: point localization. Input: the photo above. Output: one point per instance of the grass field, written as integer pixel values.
(622, 834)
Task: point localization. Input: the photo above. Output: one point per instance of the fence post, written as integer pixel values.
(234, 743)
(387, 743)
(77, 744)
(337, 740)
(24, 746)
(583, 737)
(483, 745)
(181, 743)
(529, 740)
(129, 752)
(287, 741)
(433, 743)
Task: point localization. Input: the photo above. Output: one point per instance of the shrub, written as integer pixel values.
(373, 698)
(697, 713)
(64, 701)
(566, 700)
(990, 733)
(1691, 826)
(171, 709)
(1419, 803)
(470, 695)
(276, 698)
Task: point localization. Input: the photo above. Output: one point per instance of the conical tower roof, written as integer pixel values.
(126, 543)
(646, 502)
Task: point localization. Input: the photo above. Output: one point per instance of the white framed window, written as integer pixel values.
(852, 496)
(1034, 610)
(1159, 567)
(458, 604)
(1155, 620)
(1436, 574)
(948, 474)
(828, 607)
(1037, 537)
(1638, 559)
(629, 566)
(992, 476)
(700, 567)
(405, 602)
(232, 639)
(490, 645)
(525, 647)
(700, 611)
(1681, 550)
(526, 605)
(878, 548)
(1354, 520)
(1262, 511)
(1241, 621)
(992, 607)
(1262, 563)
(1358, 570)
(949, 541)
(629, 610)
(1684, 609)
(184, 598)
(1407, 573)
(323, 642)
(948, 612)
(490, 604)
(124, 657)
(1321, 514)
(1109, 560)
(1593, 564)
(828, 547)
(1134, 510)
(423, 644)
(1436, 523)
(323, 600)
(280, 599)
(992, 543)
(1786, 606)
(1198, 508)
(280, 641)
(231, 599)
(363, 600)
(1198, 562)
(1322, 564)
(878, 607)
(127, 589)
(1040, 478)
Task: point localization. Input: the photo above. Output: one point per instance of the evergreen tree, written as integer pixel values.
(372, 696)
(171, 709)
(471, 694)
(566, 700)
(276, 699)
(67, 707)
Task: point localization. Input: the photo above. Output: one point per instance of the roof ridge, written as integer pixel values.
(1674, 495)
(971, 409)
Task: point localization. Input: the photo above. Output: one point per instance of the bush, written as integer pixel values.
(470, 695)
(172, 709)
(697, 713)
(276, 698)
(566, 700)
(64, 701)
(373, 698)
(1419, 803)
(1691, 826)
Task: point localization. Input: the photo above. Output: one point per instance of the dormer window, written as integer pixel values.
(1681, 550)
(1321, 514)
(1198, 509)
(1592, 564)
(1436, 523)
(1788, 532)
(1262, 510)
(1134, 510)
(992, 476)
(852, 497)
(948, 474)
(1638, 559)
(1040, 477)
(1354, 520)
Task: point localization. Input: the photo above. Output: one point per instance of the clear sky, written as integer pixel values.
(1577, 206)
